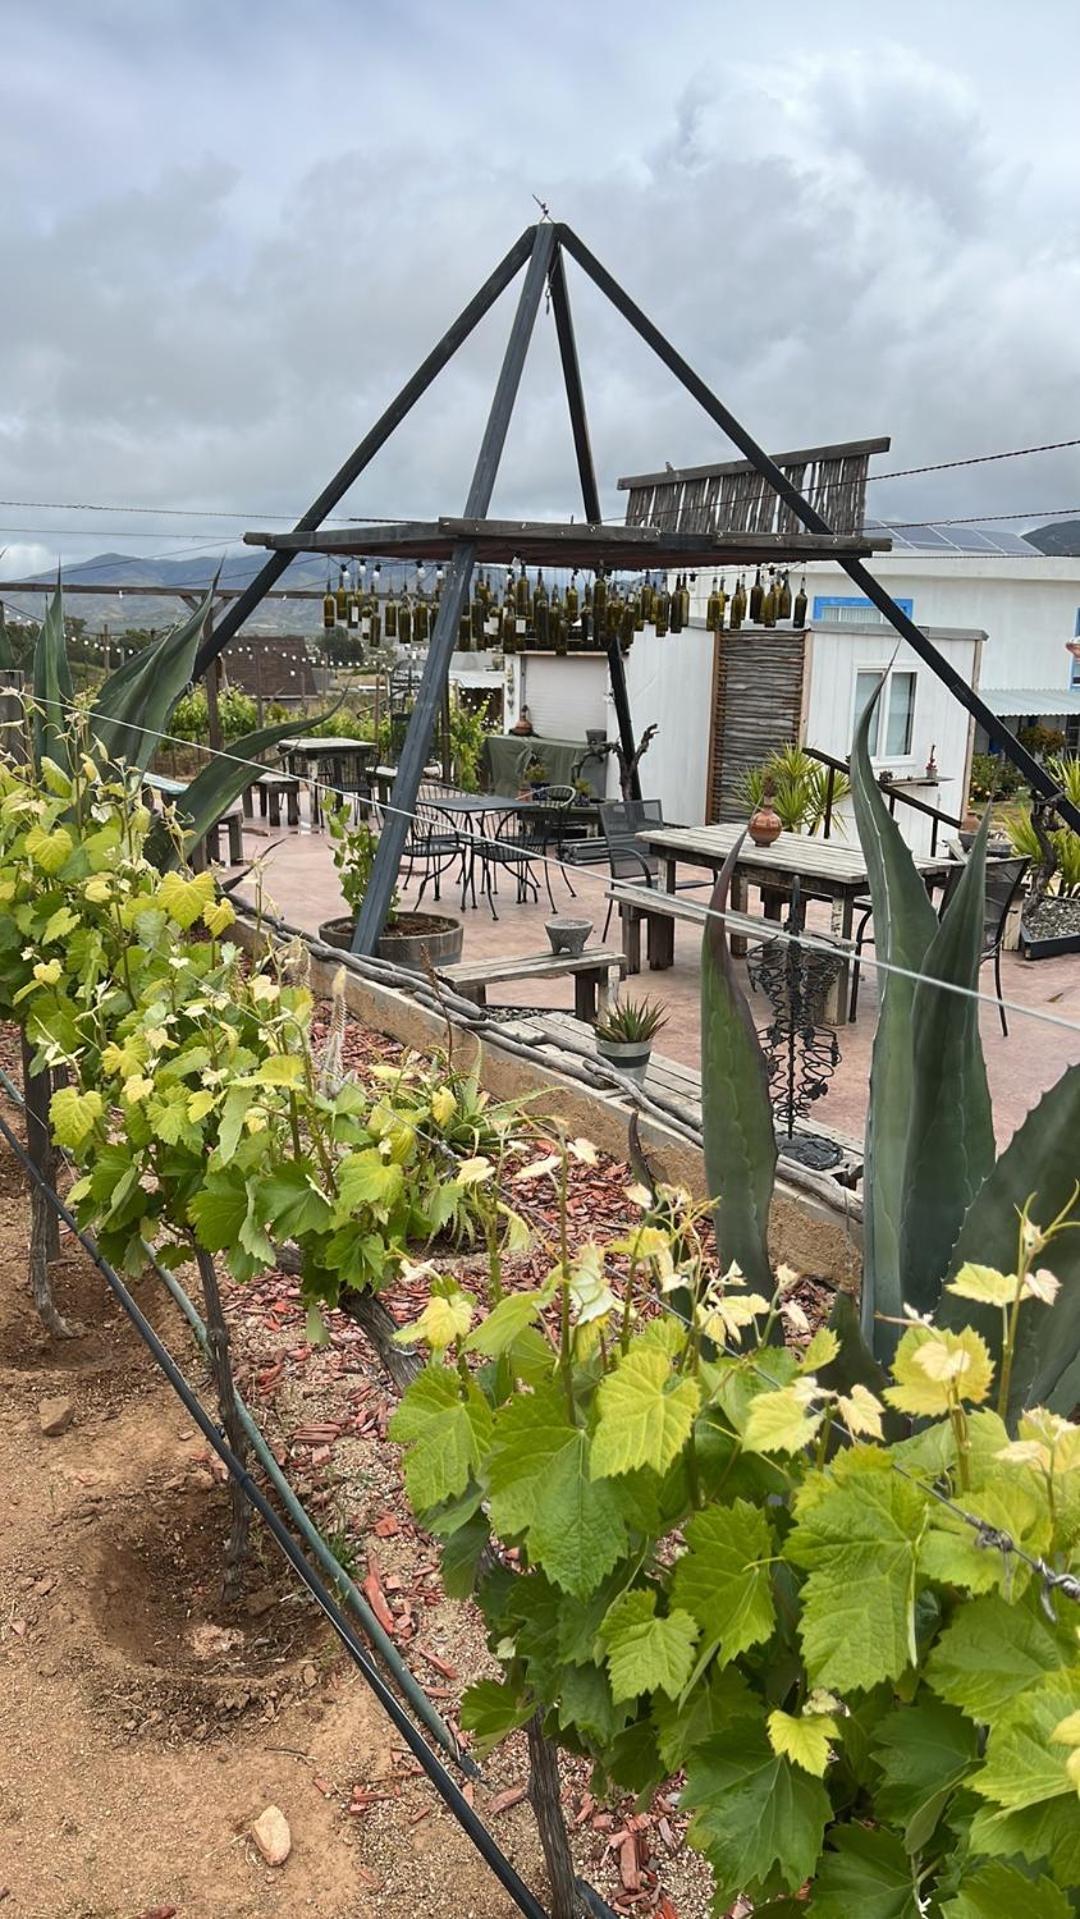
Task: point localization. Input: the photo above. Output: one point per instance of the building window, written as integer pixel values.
(831, 609)
(893, 726)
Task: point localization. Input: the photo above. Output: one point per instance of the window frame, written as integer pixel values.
(887, 672)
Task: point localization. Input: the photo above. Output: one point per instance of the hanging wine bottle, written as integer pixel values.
(557, 625)
(675, 606)
(464, 631)
(420, 622)
(585, 628)
(341, 600)
(722, 598)
(540, 611)
(599, 608)
(390, 614)
(799, 615)
(714, 618)
(757, 594)
(639, 617)
(684, 610)
(329, 608)
(783, 610)
(573, 603)
(375, 619)
(522, 596)
(478, 614)
(626, 626)
(661, 609)
(768, 603)
(738, 604)
(405, 623)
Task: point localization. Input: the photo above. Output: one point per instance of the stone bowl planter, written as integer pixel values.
(415, 941)
(568, 935)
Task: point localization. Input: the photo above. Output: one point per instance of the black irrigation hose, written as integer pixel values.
(445, 1786)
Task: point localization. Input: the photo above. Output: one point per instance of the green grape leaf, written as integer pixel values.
(1047, 1834)
(1024, 1763)
(708, 1708)
(868, 1874)
(461, 1557)
(756, 1815)
(646, 1413)
(803, 1738)
(505, 1323)
(924, 1751)
(585, 1701)
(994, 1889)
(723, 1578)
(367, 1179)
(490, 1710)
(446, 1427)
(860, 1544)
(644, 1653)
(952, 1554)
(991, 1652)
(540, 1484)
(291, 1201)
(73, 1116)
(781, 1422)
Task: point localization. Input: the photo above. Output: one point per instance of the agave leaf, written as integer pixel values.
(222, 780)
(53, 692)
(737, 1118)
(133, 707)
(950, 1131)
(904, 925)
(1042, 1160)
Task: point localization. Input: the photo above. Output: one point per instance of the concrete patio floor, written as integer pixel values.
(300, 883)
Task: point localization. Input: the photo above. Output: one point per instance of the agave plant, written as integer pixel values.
(130, 715)
(935, 1193)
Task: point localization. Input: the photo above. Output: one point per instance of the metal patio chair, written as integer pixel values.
(1004, 878)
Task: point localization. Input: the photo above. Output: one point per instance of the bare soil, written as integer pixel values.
(144, 1726)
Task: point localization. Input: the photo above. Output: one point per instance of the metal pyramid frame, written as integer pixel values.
(540, 250)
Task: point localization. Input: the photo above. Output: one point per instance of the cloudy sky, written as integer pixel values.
(230, 231)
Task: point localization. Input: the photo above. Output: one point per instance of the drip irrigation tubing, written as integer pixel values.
(382, 1643)
(448, 1790)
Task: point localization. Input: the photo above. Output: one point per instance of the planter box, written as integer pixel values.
(1051, 946)
(417, 941)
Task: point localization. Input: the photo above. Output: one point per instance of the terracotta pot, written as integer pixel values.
(765, 825)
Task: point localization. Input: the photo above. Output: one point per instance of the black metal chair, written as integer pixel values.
(511, 847)
(1004, 878)
(433, 844)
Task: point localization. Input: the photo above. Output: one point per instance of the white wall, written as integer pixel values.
(837, 654)
(1027, 608)
(669, 683)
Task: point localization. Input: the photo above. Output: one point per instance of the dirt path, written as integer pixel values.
(141, 1729)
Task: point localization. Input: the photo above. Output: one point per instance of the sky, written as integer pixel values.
(230, 232)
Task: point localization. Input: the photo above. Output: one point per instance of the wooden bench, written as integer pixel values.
(591, 972)
(270, 787)
(233, 822)
(659, 910)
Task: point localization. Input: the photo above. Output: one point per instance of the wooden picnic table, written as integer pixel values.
(339, 764)
(832, 870)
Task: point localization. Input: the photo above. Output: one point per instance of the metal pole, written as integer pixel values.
(467, 319)
(1037, 777)
(590, 492)
(376, 902)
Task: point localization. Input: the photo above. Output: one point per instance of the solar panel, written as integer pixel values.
(933, 537)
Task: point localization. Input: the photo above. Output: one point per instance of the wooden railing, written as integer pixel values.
(736, 498)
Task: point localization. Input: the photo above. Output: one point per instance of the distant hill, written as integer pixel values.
(190, 575)
(1061, 537)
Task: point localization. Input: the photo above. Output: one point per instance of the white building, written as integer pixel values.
(1025, 601)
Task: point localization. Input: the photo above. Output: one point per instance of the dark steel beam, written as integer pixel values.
(1036, 776)
(467, 319)
(590, 492)
(414, 753)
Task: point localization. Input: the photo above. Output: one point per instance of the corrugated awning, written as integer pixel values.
(1016, 702)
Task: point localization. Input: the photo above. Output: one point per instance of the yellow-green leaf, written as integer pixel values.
(934, 1366)
(804, 1741)
(646, 1412)
(784, 1421)
(445, 1319)
(185, 900)
(73, 1115)
(985, 1284)
(50, 851)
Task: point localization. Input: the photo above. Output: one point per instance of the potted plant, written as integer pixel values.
(412, 940)
(625, 1035)
(536, 775)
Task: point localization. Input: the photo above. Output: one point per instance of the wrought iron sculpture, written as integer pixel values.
(801, 1051)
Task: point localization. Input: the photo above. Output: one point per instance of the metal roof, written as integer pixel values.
(1015, 702)
(930, 538)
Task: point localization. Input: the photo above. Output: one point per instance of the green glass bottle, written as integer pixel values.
(464, 631)
(757, 594)
(738, 605)
(768, 602)
(329, 608)
(714, 618)
(647, 598)
(783, 610)
(522, 596)
(661, 610)
(341, 600)
(405, 623)
(722, 596)
(540, 611)
(421, 626)
(557, 625)
(573, 603)
(390, 614)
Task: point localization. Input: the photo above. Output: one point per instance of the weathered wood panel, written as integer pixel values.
(757, 707)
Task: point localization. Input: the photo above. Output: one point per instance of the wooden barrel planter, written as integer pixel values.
(415, 941)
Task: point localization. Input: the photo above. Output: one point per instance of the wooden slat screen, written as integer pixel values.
(757, 707)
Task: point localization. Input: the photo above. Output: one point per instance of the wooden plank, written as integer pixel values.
(790, 853)
(626, 547)
(492, 972)
(800, 457)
